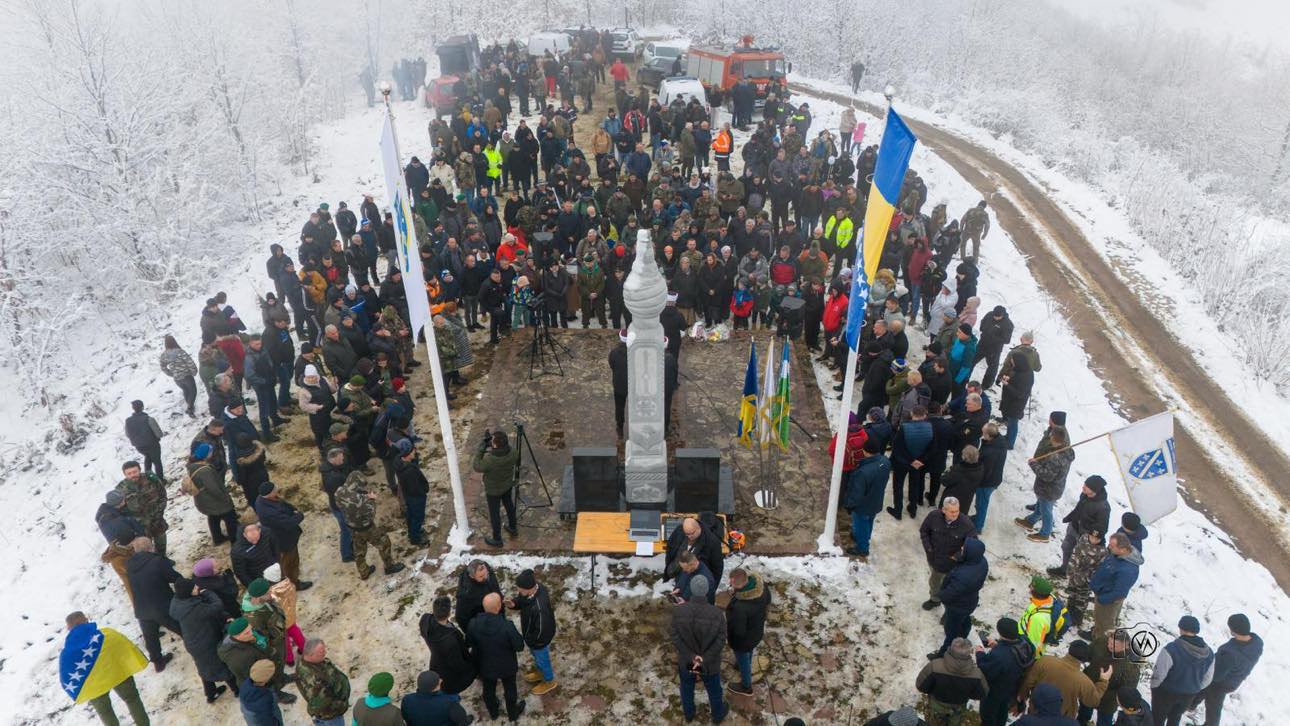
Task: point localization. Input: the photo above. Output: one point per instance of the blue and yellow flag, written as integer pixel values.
(748, 407)
(96, 659)
(894, 151)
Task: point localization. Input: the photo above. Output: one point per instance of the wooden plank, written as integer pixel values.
(605, 532)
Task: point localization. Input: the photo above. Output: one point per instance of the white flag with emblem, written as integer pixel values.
(1145, 452)
(404, 233)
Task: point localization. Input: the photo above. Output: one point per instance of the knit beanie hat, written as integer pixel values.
(273, 573)
(237, 627)
(1239, 624)
(202, 450)
(903, 716)
(1129, 697)
(960, 648)
(380, 684)
(699, 587)
(266, 488)
(262, 670)
(258, 587)
(204, 568)
(527, 580)
(114, 498)
(1189, 623)
(1041, 586)
(1008, 628)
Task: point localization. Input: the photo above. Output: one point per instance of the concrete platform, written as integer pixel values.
(577, 410)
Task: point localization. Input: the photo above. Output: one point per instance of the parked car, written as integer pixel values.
(670, 49)
(439, 95)
(626, 43)
(652, 72)
(540, 43)
(684, 88)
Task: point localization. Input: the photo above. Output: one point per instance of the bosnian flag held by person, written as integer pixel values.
(1145, 452)
(94, 660)
(894, 151)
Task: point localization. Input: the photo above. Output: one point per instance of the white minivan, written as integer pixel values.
(556, 42)
(670, 49)
(682, 87)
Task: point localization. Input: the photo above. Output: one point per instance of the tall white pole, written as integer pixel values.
(462, 533)
(826, 544)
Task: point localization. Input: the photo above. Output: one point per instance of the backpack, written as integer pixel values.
(1060, 621)
(187, 485)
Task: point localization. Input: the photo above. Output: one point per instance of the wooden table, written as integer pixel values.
(606, 533)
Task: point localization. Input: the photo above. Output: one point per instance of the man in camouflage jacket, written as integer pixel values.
(1088, 552)
(358, 506)
(145, 500)
(324, 686)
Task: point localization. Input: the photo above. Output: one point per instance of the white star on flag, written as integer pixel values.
(75, 677)
(97, 637)
(82, 665)
(88, 652)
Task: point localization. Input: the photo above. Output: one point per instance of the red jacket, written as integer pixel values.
(231, 345)
(835, 312)
(618, 71)
(741, 310)
(782, 272)
(917, 263)
(856, 437)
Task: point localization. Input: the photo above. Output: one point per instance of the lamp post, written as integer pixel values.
(888, 92)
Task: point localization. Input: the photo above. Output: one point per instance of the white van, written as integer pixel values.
(682, 87)
(670, 49)
(540, 43)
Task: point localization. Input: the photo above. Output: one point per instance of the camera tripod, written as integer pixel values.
(523, 504)
(544, 344)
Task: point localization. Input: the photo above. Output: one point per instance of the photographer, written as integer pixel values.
(496, 460)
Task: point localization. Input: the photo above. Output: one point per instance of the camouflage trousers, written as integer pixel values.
(944, 714)
(376, 537)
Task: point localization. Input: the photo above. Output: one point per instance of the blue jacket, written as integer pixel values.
(1004, 665)
(432, 709)
(911, 441)
(1235, 660)
(1046, 704)
(962, 355)
(638, 163)
(683, 579)
(879, 430)
(612, 125)
(867, 485)
(259, 705)
(959, 403)
(1114, 577)
(1185, 666)
(961, 588)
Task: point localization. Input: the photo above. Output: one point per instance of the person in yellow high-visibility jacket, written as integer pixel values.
(1037, 619)
(839, 231)
(494, 158)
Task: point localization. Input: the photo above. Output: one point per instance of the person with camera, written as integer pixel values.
(496, 460)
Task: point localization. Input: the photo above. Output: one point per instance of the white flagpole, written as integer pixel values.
(826, 544)
(436, 376)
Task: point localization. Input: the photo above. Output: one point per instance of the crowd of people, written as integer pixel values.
(336, 347)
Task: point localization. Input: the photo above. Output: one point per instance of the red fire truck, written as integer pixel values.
(722, 68)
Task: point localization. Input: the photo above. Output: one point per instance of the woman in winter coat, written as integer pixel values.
(180, 366)
(969, 313)
(252, 468)
(201, 617)
(942, 309)
(712, 290)
(963, 478)
(1016, 394)
(847, 127)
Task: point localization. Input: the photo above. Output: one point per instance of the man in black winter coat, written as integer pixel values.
(692, 536)
(996, 332)
(1003, 665)
(494, 643)
(1092, 513)
(449, 653)
(943, 533)
(537, 626)
(254, 551)
(873, 390)
(699, 636)
(145, 436)
(746, 623)
(492, 301)
(151, 576)
(283, 520)
(473, 585)
(346, 221)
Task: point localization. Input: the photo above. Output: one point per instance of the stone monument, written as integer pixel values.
(645, 294)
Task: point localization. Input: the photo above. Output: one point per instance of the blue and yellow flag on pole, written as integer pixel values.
(894, 151)
(748, 407)
(94, 660)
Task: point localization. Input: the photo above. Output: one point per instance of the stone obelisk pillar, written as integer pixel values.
(645, 294)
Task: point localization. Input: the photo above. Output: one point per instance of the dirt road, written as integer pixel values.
(1118, 331)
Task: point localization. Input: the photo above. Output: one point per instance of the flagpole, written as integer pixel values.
(1095, 438)
(436, 376)
(826, 543)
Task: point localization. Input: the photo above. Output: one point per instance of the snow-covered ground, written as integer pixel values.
(53, 562)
